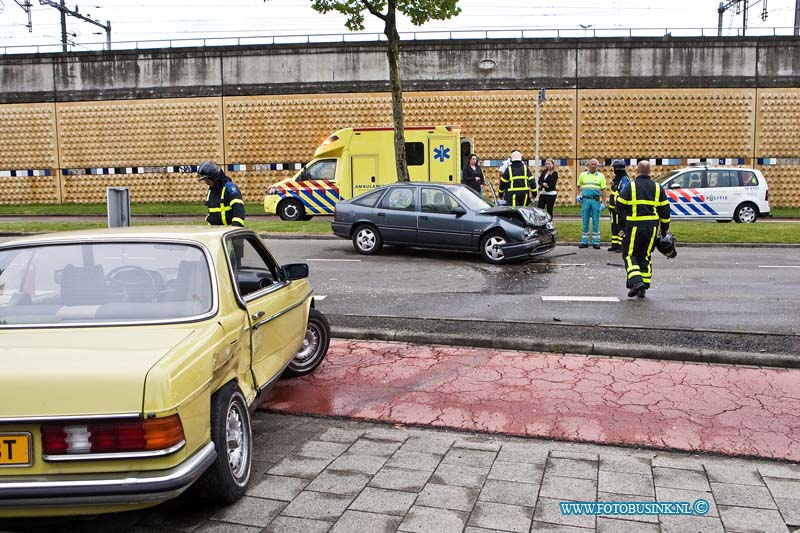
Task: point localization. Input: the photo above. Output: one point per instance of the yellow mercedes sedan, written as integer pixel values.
(130, 359)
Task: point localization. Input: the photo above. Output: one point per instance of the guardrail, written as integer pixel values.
(530, 33)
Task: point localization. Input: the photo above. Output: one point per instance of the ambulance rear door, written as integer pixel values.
(443, 159)
(365, 173)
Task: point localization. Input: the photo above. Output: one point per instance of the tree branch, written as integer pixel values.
(371, 8)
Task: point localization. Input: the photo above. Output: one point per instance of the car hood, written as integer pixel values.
(79, 371)
(531, 216)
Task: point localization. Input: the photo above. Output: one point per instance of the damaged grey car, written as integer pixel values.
(445, 217)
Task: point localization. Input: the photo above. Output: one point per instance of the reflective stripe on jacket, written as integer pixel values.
(225, 206)
(644, 201)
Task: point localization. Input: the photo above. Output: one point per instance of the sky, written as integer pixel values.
(252, 20)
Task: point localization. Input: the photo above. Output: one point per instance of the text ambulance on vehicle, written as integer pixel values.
(355, 160)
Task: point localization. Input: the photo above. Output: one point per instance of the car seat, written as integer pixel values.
(83, 285)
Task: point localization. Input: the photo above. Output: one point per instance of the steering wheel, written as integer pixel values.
(136, 278)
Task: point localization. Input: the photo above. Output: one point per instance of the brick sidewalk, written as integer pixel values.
(316, 475)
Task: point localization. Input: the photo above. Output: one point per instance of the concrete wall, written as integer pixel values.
(426, 66)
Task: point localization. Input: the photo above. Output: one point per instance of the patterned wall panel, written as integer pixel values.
(784, 184)
(145, 188)
(778, 132)
(674, 123)
(28, 147)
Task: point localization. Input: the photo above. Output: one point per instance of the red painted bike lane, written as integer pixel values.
(662, 404)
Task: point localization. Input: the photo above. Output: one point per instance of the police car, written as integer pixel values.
(716, 193)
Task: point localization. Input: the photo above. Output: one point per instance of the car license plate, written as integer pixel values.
(15, 449)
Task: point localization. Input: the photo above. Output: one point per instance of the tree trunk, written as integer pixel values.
(393, 53)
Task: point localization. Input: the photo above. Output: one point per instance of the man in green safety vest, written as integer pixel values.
(592, 197)
(517, 183)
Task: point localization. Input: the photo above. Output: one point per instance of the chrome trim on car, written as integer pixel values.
(106, 488)
(281, 313)
(119, 455)
(65, 418)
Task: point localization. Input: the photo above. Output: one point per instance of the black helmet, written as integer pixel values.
(208, 169)
(666, 245)
(618, 164)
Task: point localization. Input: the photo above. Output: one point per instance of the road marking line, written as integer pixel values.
(342, 260)
(580, 299)
(778, 266)
(320, 297)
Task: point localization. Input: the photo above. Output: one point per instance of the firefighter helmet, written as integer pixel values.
(666, 245)
(618, 164)
(208, 169)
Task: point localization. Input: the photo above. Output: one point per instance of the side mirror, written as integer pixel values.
(295, 271)
(458, 211)
(304, 175)
(674, 185)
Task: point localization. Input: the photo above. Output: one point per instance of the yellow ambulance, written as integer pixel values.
(354, 160)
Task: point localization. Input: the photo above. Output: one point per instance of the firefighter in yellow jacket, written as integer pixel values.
(643, 210)
(517, 183)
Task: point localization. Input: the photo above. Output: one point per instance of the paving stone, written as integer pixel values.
(391, 502)
(321, 449)
(448, 497)
(378, 448)
(224, 527)
(685, 523)
(681, 479)
(742, 496)
(477, 443)
(681, 463)
(549, 510)
(501, 516)
(514, 452)
(614, 525)
(613, 497)
(340, 435)
(278, 487)
(567, 454)
(430, 520)
(363, 464)
(463, 476)
(339, 482)
(177, 515)
(580, 468)
(557, 528)
(467, 457)
(250, 512)
(415, 460)
(665, 494)
(272, 453)
(318, 506)
(358, 522)
(630, 465)
(626, 483)
(398, 435)
(427, 445)
(400, 479)
(568, 488)
(780, 471)
(790, 509)
(749, 519)
(723, 473)
(510, 492)
(479, 530)
(296, 466)
(783, 488)
(521, 472)
(290, 524)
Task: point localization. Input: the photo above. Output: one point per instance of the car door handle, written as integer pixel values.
(423, 217)
(258, 315)
(381, 214)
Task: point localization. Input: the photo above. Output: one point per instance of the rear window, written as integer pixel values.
(369, 199)
(748, 179)
(723, 178)
(103, 282)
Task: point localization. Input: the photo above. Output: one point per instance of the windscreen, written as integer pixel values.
(470, 198)
(101, 283)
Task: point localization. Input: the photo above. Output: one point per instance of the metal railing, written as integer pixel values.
(530, 33)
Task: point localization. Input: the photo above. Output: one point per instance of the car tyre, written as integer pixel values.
(746, 213)
(291, 210)
(367, 240)
(315, 346)
(489, 252)
(226, 479)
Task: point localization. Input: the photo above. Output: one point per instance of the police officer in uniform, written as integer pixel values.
(224, 199)
(517, 184)
(644, 212)
(619, 182)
